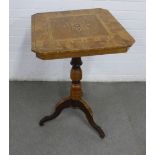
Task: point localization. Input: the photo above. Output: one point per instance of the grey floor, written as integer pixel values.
(119, 108)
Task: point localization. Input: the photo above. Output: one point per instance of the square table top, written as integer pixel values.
(78, 33)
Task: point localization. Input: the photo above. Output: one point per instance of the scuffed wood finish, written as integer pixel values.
(75, 34)
(78, 33)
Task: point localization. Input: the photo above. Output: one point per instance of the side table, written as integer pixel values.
(73, 34)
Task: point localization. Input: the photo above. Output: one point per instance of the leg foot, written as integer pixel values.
(88, 112)
(44, 119)
(59, 107)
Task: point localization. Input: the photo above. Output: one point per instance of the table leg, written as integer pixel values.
(65, 103)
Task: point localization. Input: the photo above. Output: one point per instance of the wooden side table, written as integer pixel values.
(73, 34)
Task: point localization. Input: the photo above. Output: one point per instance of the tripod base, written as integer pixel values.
(75, 99)
(80, 104)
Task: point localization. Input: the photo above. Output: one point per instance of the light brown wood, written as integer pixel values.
(78, 33)
(76, 75)
(76, 90)
(75, 34)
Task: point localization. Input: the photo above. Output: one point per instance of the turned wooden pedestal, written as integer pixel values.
(75, 100)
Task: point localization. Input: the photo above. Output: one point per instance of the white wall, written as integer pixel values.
(127, 67)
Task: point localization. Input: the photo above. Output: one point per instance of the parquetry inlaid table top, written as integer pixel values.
(78, 33)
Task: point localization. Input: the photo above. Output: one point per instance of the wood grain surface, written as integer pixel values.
(78, 33)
